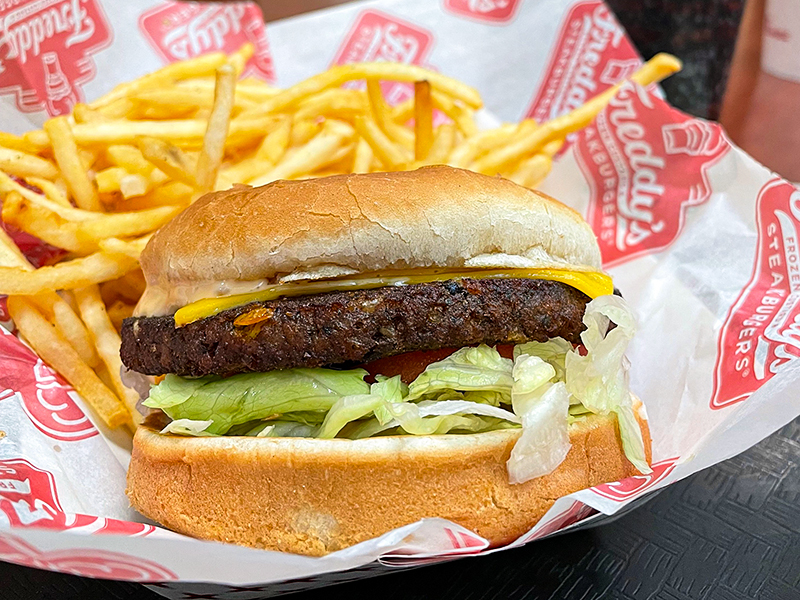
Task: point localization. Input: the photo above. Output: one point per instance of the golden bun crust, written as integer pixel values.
(433, 217)
(310, 496)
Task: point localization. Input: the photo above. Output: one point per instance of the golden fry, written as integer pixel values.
(443, 140)
(391, 155)
(217, 131)
(130, 158)
(118, 312)
(10, 254)
(340, 74)
(65, 150)
(51, 190)
(128, 224)
(532, 170)
(54, 308)
(170, 159)
(67, 212)
(335, 102)
(461, 115)
(194, 67)
(15, 142)
(22, 164)
(71, 274)
(45, 224)
(317, 153)
(363, 157)
(107, 342)
(423, 120)
(275, 143)
(59, 353)
(654, 70)
(132, 248)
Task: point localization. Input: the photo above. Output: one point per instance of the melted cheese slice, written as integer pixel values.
(592, 284)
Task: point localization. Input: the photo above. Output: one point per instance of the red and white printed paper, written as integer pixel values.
(700, 238)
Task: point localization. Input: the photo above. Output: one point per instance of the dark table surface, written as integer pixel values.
(728, 533)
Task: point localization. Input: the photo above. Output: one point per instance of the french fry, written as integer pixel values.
(51, 190)
(71, 274)
(532, 170)
(462, 116)
(443, 140)
(169, 159)
(243, 171)
(423, 120)
(133, 184)
(83, 113)
(68, 324)
(109, 180)
(130, 158)
(59, 353)
(391, 155)
(403, 112)
(239, 59)
(305, 130)
(363, 157)
(132, 248)
(552, 148)
(118, 312)
(183, 132)
(275, 143)
(15, 142)
(67, 212)
(340, 74)
(339, 103)
(217, 130)
(654, 70)
(107, 343)
(46, 225)
(127, 224)
(381, 113)
(10, 254)
(202, 65)
(22, 164)
(319, 152)
(65, 150)
(468, 150)
(36, 140)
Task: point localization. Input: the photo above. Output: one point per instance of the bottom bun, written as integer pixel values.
(311, 496)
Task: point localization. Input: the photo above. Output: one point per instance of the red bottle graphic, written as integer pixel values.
(59, 95)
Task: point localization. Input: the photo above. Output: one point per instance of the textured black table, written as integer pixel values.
(727, 533)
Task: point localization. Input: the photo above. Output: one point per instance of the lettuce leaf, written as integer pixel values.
(352, 408)
(468, 369)
(251, 396)
(437, 417)
(544, 408)
(599, 380)
(188, 427)
(553, 351)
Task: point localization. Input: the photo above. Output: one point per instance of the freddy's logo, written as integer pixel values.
(44, 397)
(28, 498)
(376, 36)
(493, 11)
(86, 562)
(590, 55)
(761, 334)
(637, 205)
(635, 486)
(45, 51)
(179, 31)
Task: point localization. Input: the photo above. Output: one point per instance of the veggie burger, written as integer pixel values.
(338, 357)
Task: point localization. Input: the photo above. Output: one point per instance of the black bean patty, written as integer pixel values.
(352, 327)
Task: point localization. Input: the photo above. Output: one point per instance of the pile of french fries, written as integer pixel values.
(98, 183)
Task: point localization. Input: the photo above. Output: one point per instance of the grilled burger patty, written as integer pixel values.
(355, 326)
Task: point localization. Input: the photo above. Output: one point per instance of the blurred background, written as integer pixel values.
(720, 42)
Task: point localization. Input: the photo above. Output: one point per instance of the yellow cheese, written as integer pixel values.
(590, 283)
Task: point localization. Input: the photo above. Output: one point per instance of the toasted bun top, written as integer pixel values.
(432, 217)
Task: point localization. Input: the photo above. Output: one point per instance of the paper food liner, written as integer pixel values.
(701, 239)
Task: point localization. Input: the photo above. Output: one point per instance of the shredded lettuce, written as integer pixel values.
(544, 408)
(599, 380)
(468, 369)
(351, 408)
(188, 427)
(252, 396)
